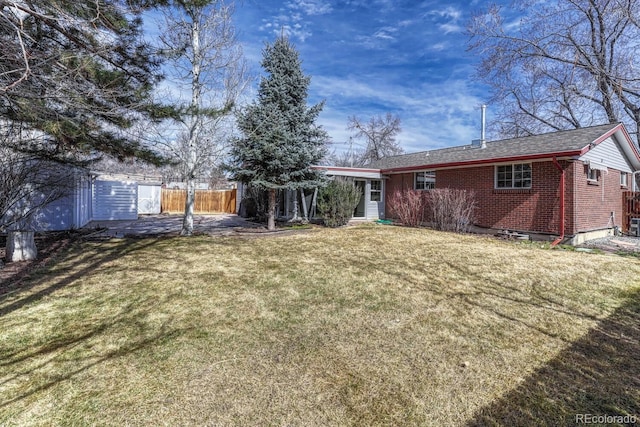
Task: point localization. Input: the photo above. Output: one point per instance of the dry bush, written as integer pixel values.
(450, 209)
(408, 206)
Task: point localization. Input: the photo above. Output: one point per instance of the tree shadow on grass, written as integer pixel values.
(66, 349)
(598, 375)
(29, 367)
(20, 293)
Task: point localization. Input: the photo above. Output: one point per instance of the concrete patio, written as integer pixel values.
(151, 225)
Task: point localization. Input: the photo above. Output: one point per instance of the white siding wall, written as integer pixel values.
(82, 201)
(115, 200)
(609, 154)
(57, 215)
(73, 211)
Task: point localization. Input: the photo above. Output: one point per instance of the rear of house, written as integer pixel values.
(566, 184)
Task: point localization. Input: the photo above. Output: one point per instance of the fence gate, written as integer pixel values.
(207, 201)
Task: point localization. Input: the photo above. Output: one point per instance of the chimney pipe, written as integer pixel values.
(483, 142)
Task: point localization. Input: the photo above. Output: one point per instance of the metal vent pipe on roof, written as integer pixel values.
(483, 142)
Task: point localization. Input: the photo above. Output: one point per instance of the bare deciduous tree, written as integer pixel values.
(379, 135)
(206, 61)
(561, 65)
(27, 185)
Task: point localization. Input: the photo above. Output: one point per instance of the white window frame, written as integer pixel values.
(624, 179)
(428, 181)
(512, 179)
(373, 191)
(593, 175)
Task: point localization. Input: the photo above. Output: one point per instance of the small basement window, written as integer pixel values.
(424, 180)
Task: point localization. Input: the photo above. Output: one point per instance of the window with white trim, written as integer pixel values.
(424, 180)
(593, 174)
(513, 176)
(624, 182)
(376, 191)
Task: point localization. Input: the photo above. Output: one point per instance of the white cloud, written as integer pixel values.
(385, 33)
(291, 26)
(293, 21)
(432, 115)
(452, 16)
(311, 7)
(438, 47)
(449, 12)
(451, 28)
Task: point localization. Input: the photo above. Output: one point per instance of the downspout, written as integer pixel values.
(562, 207)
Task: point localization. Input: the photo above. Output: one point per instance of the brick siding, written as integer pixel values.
(587, 207)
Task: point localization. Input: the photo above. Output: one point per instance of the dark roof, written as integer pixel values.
(529, 146)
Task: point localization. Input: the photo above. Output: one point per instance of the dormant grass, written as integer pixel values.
(369, 325)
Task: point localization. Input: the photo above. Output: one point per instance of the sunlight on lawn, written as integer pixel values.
(369, 325)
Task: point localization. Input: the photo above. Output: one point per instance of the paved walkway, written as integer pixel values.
(149, 225)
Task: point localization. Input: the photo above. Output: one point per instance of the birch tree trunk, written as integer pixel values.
(195, 124)
(205, 60)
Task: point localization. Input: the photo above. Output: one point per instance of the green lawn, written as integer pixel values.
(372, 325)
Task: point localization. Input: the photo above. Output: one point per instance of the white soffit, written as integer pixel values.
(597, 166)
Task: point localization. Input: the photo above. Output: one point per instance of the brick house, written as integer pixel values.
(567, 184)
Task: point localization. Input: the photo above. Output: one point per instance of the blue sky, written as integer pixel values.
(370, 57)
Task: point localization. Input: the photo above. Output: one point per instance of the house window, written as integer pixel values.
(592, 175)
(376, 191)
(513, 176)
(623, 179)
(424, 180)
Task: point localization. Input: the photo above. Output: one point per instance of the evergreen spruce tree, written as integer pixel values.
(73, 76)
(280, 139)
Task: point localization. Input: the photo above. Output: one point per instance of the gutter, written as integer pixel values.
(562, 204)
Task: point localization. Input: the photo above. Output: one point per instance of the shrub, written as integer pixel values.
(255, 203)
(337, 201)
(408, 207)
(444, 209)
(451, 210)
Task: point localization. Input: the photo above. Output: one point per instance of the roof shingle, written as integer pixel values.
(544, 144)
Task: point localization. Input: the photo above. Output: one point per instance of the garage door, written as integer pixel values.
(115, 200)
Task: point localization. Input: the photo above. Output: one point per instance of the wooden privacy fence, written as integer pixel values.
(631, 207)
(207, 201)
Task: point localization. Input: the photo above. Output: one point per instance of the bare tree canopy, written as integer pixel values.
(204, 60)
(28, 184)
(379, 135)
(563, 64)
(76, 75)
